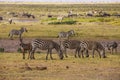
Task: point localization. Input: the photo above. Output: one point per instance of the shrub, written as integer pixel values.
(1, 49)
(64, 22)
(19, 50)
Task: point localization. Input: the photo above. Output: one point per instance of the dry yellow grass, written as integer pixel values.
(13, 67)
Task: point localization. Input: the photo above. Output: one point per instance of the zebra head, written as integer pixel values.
(59, 50)
(23, 29)
(71, 32)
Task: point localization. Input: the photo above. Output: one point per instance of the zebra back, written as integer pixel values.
(71, 44)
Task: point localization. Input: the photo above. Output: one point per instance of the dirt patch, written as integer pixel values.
(13, 45)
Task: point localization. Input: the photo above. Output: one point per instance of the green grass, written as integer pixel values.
(13, 67)
(85, 27)
(85, 30)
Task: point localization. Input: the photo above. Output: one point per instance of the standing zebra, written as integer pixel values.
(17, 32)
(46, 45)
(94, 46)
(66, 34)
(112, 46)
(73, 44)
(25, 47)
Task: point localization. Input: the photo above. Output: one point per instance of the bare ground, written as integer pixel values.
(13, 67)
(12, 45)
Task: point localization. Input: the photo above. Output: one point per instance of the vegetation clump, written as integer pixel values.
(2, 50)
(64, 22)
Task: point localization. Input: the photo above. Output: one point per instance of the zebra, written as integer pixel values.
(25, 47)
(17, 32)
(112, 46)
(46, 45)
(94, 46)
(73, 44)
(66, 34)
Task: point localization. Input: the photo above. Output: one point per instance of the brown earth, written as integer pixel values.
(13, 45)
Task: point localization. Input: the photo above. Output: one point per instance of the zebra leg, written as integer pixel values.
(82, 54)
(66, 53)
(116, 50)
(93, 53)
(47, 54)
(99, 53)
(32, 54)
(112, 51)
(75, 53)
(87, 55)
(23, 54)
(79, 53)
(29, 54)
(51, 54)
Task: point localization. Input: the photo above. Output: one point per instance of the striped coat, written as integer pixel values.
(48, 45)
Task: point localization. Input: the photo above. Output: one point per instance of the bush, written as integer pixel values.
(2, 50)
(64, 22)
(19, 50)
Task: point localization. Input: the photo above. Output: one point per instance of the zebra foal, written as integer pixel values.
(46, 45)
(112, 46)
(25, 47)
(17, 32)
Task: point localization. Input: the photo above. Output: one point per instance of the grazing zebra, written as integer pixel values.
(46, 45)
(94, 46)
(66, 34)
(73, 44)
(17, 32)
(112, 46)
(25, 47)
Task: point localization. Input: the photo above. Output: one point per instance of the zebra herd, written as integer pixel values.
(81, 47)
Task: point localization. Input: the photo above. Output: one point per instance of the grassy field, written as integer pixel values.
(13, 67)
(85, 27)
(86, 30)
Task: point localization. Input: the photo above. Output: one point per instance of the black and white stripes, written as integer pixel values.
(74, 44)
(46, 45)
(94, 46)
(17, 32)
(82, 47)
(66, 34)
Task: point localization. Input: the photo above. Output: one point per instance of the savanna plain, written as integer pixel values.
(97, 28)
